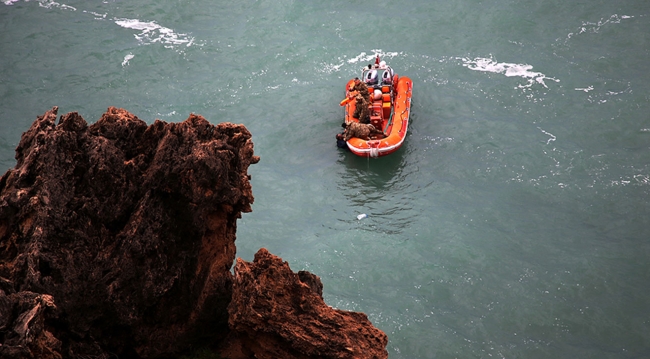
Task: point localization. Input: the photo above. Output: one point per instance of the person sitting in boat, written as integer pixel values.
(359, 130)
(361, 88)
(362, 109)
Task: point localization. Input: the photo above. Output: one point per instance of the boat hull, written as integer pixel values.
(394, 122)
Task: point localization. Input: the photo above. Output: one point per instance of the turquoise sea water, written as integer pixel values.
(513, 223)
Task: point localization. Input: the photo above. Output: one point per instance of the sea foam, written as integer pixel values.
(151, 32)
(508, 69)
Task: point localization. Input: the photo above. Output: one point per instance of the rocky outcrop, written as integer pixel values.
(276, 313)
(23, 318)
(117, 240)
(128, 228)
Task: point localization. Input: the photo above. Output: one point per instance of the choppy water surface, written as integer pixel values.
(513, 223)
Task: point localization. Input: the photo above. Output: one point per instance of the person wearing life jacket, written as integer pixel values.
(360, 87)
(340, 141)
(359, 130)
(362, 90)
(362, 109)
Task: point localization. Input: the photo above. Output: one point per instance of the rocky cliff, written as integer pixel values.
(276, 313)
(117, 239)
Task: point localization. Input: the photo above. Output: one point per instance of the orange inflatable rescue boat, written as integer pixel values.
(390, 107)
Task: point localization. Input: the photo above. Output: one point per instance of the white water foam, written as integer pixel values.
(96, 14)
(48, 4)
(127, 58)
(550, 135)
(370, 58)
(166, 114)
(586, 89)
(43, 3)
(594, 27)
(150, 33)
(363, 57)
(508, 69)
(331, 68)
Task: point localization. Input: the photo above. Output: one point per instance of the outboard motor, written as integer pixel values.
(371, 77)
(387, 76)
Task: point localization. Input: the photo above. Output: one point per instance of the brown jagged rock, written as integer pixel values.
(22, 317)
(128, 229)
(117, 240)
(276, 313)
